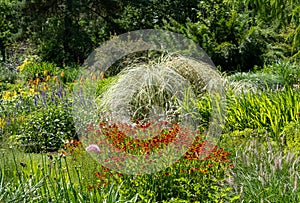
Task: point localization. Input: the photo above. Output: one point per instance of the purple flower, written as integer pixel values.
(93, 148)
(59, 93)
(35, 100)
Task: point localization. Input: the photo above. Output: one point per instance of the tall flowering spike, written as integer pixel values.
(93, 148)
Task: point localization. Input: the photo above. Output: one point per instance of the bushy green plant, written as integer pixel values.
(32, 68)
(240, 137)
(47, 129)
(12, 114)
(9, 87)
(70, 73)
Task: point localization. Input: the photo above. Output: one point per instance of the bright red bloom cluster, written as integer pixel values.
(201, 156)
(207, 149)
(138, 144)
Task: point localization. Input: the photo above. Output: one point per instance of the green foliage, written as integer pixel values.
(240, 137)
(67, 31)
(228, 32)
(50, 178)
(33, 68)
(7, 75)
(5, 28)
(261, 81)
(282, 15)
(145, 14)
(47, 129)
(62, 49)
(290, 72)
(105, 84)
(70, 73)
(10, 20)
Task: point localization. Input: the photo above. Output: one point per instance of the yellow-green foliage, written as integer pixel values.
(271, 111)
(291, 134)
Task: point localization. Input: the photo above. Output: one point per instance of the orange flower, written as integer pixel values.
(97, 174)
(38, 81)
(193, 169)
(62, 74)
(48, 77)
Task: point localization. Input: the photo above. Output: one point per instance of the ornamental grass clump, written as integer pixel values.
(263, 173)
(145, 89)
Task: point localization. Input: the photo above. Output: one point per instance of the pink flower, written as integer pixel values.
(93, 148)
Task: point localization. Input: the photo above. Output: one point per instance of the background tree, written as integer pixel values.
(284, 17)
(67, 30)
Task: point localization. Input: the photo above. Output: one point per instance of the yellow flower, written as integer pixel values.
(45, 72)
(23, 94)
(15, 94)
(62, 74)
(23, 65)
(7, 95)
(21, 118)
(31, 91)
(45, 86)
(2, 123)
(48, 77)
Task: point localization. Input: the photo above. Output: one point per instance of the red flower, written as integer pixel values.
(193, 169)
(97, 174)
